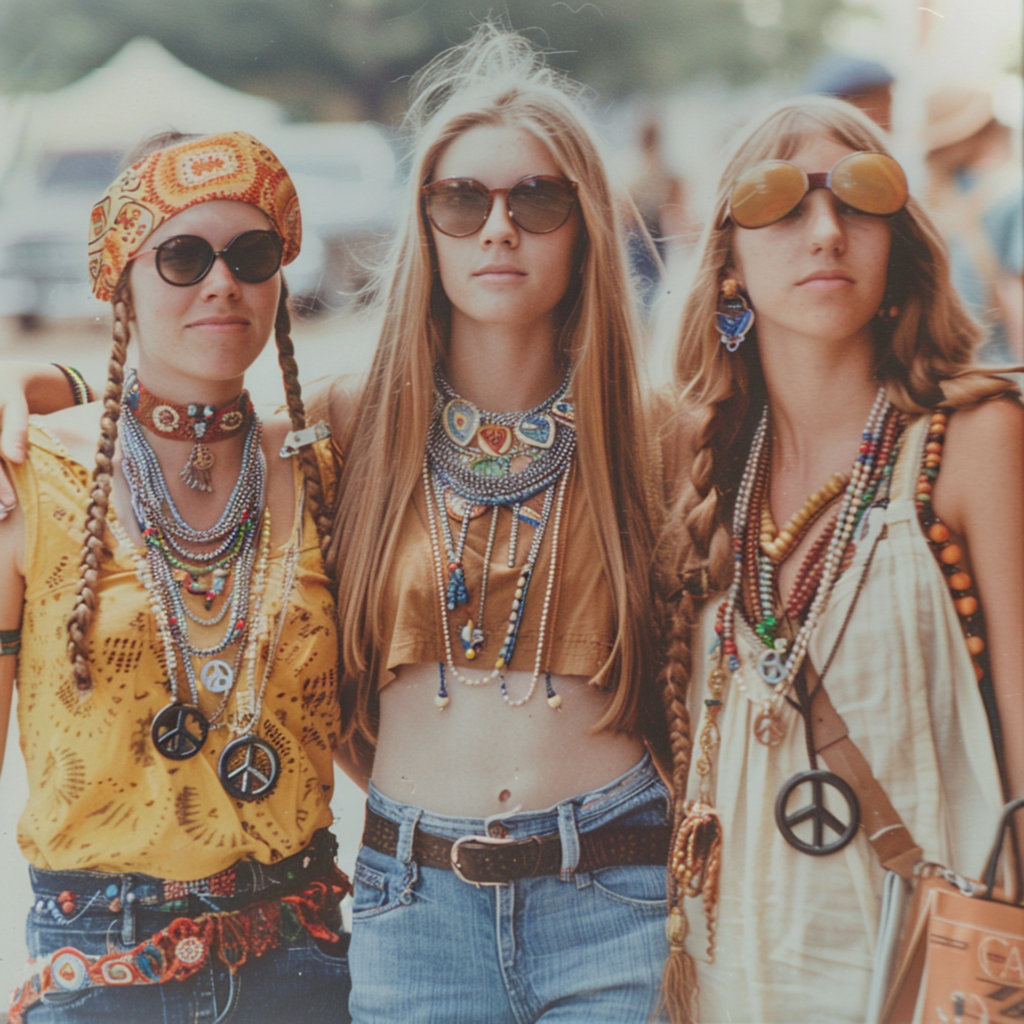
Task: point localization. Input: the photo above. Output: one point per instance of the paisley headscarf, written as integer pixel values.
(233, 165)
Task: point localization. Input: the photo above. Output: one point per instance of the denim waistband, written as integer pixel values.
(237, 884)
(600, 806)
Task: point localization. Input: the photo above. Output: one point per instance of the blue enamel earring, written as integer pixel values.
(734, 317)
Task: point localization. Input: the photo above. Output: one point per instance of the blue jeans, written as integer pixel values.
(428, 947)
(302, 979)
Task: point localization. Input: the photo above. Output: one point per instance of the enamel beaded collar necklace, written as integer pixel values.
(499, 458)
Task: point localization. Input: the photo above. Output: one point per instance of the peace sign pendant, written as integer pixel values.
(823, 819)
(217, 676)
(769, 729)
(179, 731)
(248, 768)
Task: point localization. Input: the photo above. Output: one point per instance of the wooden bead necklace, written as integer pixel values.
(778, 543)
(948, 553)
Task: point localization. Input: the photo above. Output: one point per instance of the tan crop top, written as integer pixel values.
(101, 796)
(581, 624)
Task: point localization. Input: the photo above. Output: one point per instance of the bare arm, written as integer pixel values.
(12, 587)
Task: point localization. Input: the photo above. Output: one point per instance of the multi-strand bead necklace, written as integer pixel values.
(226, 560)
(754, 571)
(476, 460)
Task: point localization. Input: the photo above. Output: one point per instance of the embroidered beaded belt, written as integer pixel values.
(69, 891)
(187, 944)
(490, 860)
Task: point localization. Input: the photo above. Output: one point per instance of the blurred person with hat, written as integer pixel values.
(976, 196)
(866, 84)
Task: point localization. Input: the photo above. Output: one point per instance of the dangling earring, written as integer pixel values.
(734, 317)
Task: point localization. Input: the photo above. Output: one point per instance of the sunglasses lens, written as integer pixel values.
(540, 205)
(457, 207)
(766, 193)
(254, 256)
(870, 182)
(184, 259)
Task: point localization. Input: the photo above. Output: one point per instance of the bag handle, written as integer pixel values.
(989, 877)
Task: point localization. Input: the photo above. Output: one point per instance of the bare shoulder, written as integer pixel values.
(994, 427)
(982, 463)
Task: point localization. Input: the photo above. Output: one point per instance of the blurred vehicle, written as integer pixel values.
(44, 219)
(344, 174)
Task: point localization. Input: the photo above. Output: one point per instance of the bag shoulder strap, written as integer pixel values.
(889, 836)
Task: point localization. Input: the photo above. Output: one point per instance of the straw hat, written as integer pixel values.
(954, 113)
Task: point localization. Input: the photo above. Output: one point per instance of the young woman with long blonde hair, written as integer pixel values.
(854, 502)
(493, 542)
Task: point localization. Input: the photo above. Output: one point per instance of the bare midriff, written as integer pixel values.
(480, 757)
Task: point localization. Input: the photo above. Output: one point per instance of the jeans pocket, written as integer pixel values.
(380, 883)
(640, 886)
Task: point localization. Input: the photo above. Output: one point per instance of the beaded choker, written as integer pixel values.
(477, 460)
(197, 422)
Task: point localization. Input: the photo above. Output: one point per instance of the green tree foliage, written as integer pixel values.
(320, 57)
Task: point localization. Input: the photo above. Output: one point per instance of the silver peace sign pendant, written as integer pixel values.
(217, 676)
(817, 812)
(179, 731)
(248, 768)
(771, 667)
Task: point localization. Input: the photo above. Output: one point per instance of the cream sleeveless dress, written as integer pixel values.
(795, 933)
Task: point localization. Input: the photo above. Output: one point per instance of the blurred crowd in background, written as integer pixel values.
(943, 80)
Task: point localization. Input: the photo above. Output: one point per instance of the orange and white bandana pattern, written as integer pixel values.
(233, 165)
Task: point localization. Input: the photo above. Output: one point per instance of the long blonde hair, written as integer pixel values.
(498, 78)
(924, 357)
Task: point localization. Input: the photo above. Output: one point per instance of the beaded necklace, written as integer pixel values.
(948, 553)
(499, 458)
(172, 568)
(475, 459)
(778, 665)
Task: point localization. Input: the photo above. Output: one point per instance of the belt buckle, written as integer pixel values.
(484, 840)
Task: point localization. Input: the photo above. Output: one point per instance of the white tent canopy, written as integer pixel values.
(142, 89)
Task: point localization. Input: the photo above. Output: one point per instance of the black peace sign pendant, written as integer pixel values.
(179, 731)
(248, 768)
(817, 813)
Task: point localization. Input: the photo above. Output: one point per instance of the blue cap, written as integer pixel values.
(840, 74)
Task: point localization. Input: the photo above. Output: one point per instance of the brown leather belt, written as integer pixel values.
(490, 860)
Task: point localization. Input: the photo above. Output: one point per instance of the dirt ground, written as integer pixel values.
(325, 345)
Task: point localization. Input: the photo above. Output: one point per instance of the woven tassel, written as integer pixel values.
(679, 978)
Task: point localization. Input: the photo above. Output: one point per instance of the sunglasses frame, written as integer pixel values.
(214, 253)
(819, 179)
(436, 187)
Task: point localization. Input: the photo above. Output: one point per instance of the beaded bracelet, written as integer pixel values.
(80, 390)
(10, 641)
